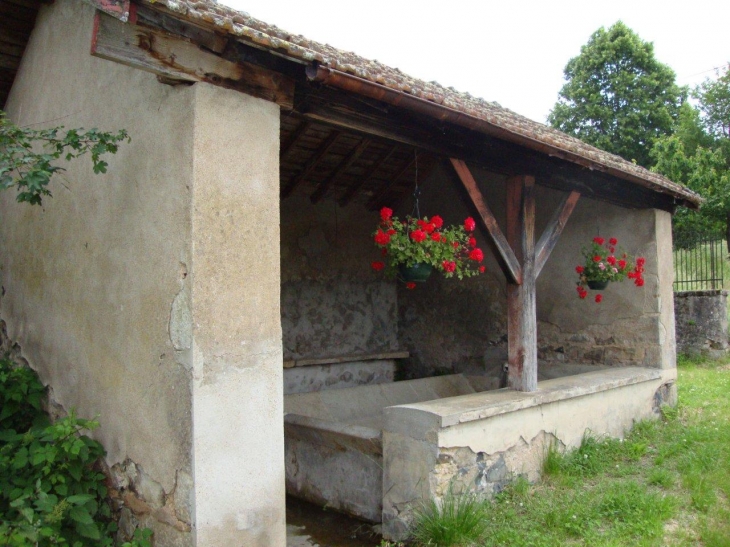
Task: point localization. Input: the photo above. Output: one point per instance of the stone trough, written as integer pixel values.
(372, 451)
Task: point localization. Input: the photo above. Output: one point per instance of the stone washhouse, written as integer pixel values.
(211, 298)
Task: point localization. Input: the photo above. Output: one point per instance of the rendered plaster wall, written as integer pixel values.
(332, 302)
(94, 283)
(238, 434)
(481, 442)
(701, 322)
(461, 326)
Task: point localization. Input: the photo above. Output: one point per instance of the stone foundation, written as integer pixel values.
(701, 322)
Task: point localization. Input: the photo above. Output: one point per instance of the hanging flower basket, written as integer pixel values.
(604, 264)
(418, 273)
(413, 248)
(597, 285)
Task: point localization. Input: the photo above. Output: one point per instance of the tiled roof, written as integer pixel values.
(297, 47)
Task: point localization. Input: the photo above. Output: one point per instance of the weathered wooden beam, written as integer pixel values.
(326, 106)
(119, 9)
(342, 167)
(177, 58)
(521, 299)
(552, 232)
(311, 164)
(293, 139)
(376, 165)
(505, 253)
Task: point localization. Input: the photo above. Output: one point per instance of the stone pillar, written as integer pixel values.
(665, 290)
(238, 435)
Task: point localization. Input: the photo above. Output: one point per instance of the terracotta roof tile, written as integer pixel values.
(300, 48)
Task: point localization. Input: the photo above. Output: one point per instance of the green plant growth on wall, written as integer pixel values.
(28, 156)
(51, 492)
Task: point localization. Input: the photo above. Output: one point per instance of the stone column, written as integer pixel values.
(238, 435)
(665, 289)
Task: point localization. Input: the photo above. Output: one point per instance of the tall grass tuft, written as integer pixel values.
(457, 520)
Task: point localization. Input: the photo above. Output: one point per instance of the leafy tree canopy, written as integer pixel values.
(27, 156)
(714, 100)
(617, 96)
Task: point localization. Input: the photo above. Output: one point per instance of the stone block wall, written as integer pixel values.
(701, 322)
(333, 303)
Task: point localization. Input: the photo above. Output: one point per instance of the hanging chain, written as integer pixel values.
(416, 192)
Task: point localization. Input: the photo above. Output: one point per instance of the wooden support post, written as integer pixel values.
(521, 299)
(521, 261)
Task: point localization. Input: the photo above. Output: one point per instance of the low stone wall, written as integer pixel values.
(701, 322)
(480, 442)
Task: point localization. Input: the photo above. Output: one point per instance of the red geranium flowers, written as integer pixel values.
(452, 250)
(602, 266)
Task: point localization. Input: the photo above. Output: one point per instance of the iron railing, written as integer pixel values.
(699, 262)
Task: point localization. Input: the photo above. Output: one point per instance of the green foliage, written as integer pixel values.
(714, 99)
(454, 521)
(21, 395)
(706, 172)
(617, 96)
(50, 491)
(666, 483)
(27, 155)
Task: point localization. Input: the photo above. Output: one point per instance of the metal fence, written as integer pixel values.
(699, 262)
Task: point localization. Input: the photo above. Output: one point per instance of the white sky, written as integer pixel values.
(512, 51)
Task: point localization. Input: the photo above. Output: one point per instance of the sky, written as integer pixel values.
(512, 51)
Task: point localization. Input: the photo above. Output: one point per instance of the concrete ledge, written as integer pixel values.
(292, 363)
(435, 415)
(334, 434)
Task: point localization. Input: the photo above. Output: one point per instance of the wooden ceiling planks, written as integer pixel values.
(17, 18)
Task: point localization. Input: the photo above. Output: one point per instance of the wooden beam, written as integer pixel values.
(118, 9)
(177, 58)
(521, 299)
(376, 165)
(293, 138)
(311, 164)
(553, 230)
(505, 253)
(327, 106)
(342, 167)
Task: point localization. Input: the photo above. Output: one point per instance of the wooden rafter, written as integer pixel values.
(374, 167)
(293, 138)
(341, 168)
(311, 164)
(505, 255)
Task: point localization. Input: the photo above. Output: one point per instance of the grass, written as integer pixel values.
(666, 484)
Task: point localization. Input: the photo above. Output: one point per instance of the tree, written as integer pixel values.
(704, 171)
(27, 155)
(698, 156)
(617, 96)
(714, 99)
